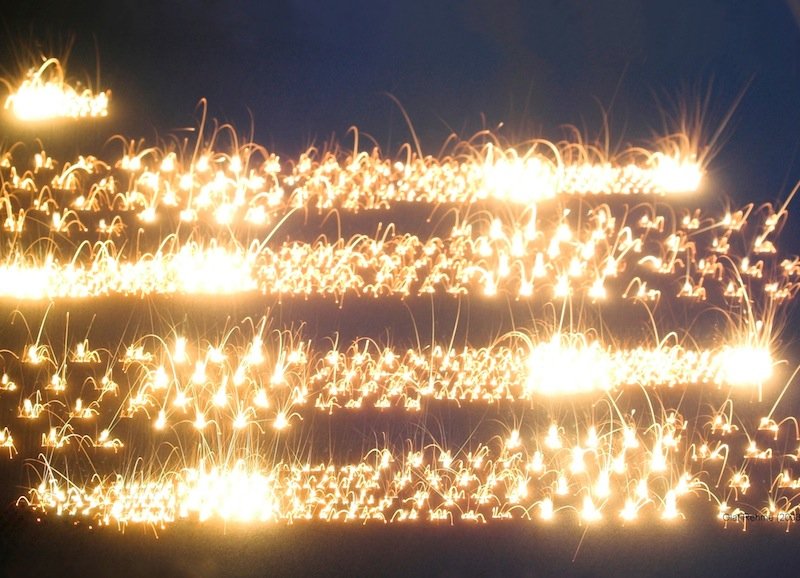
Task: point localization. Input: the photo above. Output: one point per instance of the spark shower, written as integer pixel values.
(179, 422)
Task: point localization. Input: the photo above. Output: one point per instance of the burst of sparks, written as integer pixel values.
(44, 94)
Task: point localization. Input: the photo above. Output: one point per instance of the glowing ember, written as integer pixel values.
(44, 95)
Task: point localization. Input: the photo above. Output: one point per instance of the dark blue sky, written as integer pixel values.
(308, 69)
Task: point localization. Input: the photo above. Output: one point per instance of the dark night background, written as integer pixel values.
(303, 71)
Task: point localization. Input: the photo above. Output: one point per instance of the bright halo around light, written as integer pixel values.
(558, 368)
(44, 94)
(744, 365)
(676, 174)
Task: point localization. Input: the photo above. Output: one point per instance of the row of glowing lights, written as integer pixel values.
(272, 386)
(44, 94)
(564, 256)
(605, 473)
(251, 185)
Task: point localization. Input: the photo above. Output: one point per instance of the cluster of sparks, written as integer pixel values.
(557, 259)
(565, 223)
(491, 482)
(223, 387)
(248, 183)
(644, 251)
(622, 468)
(45, 94)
